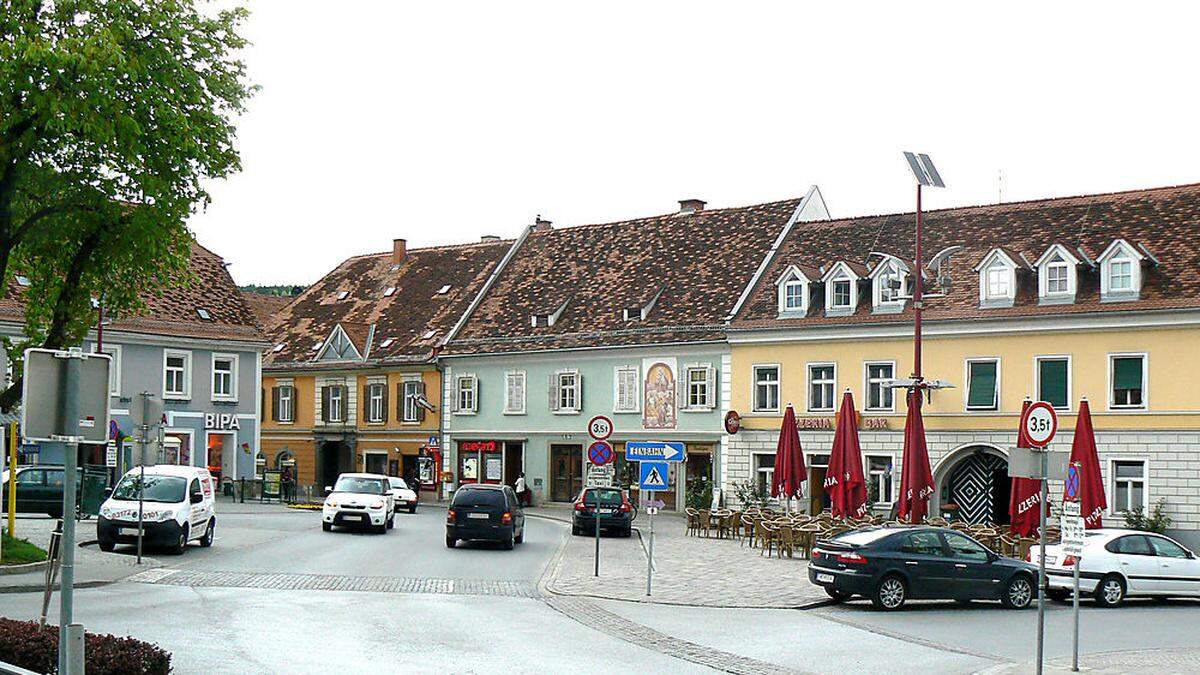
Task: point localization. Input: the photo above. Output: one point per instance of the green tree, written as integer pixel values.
(113, 115)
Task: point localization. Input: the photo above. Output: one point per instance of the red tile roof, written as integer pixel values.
(266, 307)
(1166, 220)
(700, 262)
(415, 317)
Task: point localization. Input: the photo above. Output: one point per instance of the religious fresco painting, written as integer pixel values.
(659, 404)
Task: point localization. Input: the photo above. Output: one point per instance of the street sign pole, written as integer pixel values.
(597, 508)
(66, 627)
(650, 557)
(1075, 595)
(1042, 564)
(145, 441)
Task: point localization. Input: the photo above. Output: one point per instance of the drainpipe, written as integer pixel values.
(441, 397)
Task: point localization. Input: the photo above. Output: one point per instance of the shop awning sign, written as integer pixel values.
(665, 451)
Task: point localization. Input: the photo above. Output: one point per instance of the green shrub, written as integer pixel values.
(748, 494)
(24, 644)
(1158, 521)
(699, 493)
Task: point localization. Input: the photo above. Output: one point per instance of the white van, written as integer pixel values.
(177, 508)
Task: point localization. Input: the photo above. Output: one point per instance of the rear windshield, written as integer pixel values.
(864, 537)
(398, 484)
(609, 497)
(165, 489)
(370, 486)
(473, 497)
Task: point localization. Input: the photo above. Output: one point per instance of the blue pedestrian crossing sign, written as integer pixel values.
(653, 475)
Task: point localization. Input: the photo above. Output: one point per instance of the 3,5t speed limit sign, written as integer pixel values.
(1040, 424)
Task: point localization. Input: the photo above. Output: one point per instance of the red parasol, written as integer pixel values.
(844, 482)
(789, 459)
(916, 480)
(1091, 485)
(1026, 493)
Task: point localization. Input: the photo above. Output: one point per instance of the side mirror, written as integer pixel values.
(328, 490)
(197, 498)
(108, 492)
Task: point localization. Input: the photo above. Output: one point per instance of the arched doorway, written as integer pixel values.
(973, 484)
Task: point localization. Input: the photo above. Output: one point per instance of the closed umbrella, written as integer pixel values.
(1026, 493)
(789, 460)
(1091, 485)
(916, 480)
(844, 481)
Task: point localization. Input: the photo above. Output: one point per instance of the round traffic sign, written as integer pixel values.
(1040, 423)
(600, 453)
(600, 427)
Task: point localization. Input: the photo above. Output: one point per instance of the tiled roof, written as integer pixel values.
(1165, 220)
(700, 262)
(266, 307)
(174, 311)
(409, 323)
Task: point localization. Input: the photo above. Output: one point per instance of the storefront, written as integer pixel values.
(491, 462)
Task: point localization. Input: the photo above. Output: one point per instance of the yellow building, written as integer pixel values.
(1056, 300)
(351, 381)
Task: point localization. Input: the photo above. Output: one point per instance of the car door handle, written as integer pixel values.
(960, 566)
(911, 562)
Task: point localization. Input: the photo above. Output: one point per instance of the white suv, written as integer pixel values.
(359, 499)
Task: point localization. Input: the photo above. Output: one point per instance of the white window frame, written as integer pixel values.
(1110, 485)
(472, 391)
(375, 416)
(891, 270)
(114, 372)
(755, 382)
(808, 384)
(755, 470)
(1047, 278)
(1111, 396)
(409, 410)
(891, 476)
(186, 394)
(1120, 251)
(512, 407)
(868, 381)
(559, 390)
(708, 382)
(289, 390)
(232, 396)
(967, 383)
(833, 292)
(801, 289)
(1124, 261)
(343, 393)
(1002, 271)
(1037, 377)
(636, 394)
(792, 277)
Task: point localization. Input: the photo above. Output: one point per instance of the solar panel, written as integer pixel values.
(934, 176)
(917, 170)
(923, 170)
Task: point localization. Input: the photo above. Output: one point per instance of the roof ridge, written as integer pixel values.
(703, 212)
(435, 247)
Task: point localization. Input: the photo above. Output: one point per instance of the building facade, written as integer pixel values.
(352, 379)
(1059, 300)
(625, 320)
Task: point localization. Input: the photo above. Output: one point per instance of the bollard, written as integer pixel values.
(75, 649)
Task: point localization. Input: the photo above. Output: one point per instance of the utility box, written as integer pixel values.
(45, 391)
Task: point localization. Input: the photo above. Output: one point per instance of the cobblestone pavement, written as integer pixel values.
(688, 570)
(593, 616)
(1158, 661)
(330, 582)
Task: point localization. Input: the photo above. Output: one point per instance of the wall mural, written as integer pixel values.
(659, 395)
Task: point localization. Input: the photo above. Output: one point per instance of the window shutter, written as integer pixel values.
(275, 403)
(399, 401)
(325, 404)
(454, 394)
(681, 397)
(1127, 373)
(983, 385)
(420, 411)
(475, 398)
(710, 378)
(383, 390)
(554, 391)
(1053, 385)
(366, 399)
(579, 391)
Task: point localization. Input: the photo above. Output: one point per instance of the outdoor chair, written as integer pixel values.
(786, 541)
(769, 539)
(1023, 546)
(1008, 544)
(706, 521)
(693, 520)
(721, 522)
(735, 524)
(748, 525)
(938, 522)
(806, 538)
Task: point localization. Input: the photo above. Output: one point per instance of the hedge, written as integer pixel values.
(23, 644)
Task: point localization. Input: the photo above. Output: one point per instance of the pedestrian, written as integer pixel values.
(523, 491)
(289, 488)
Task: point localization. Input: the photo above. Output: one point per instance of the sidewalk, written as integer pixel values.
(92, 567)
(1159, 661)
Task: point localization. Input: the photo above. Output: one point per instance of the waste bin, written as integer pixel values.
(93, 484)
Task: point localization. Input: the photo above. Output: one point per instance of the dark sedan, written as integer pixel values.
(891, 565)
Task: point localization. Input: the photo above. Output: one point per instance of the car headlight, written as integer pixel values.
(378, 504)
(163, 516)
(106, 512)
(331, 505)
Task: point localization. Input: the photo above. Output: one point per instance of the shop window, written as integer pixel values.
(1128, 485)
(1128, 378)
(822, 381)
(766, 388)
(983, 384)
(1054, 381)
(880, 397)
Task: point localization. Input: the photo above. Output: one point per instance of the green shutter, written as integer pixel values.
(982, 393)
(1127, 373)
(1052, 383)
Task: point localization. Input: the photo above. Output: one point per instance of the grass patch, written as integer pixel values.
(19, 551)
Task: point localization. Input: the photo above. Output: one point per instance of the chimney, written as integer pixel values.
(690, 206)
(541, 225)
(399, 246)
(489, 237)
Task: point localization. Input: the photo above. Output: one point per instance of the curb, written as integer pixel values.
(24, 567)
(38, 588)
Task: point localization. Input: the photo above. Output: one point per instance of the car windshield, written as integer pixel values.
(398, 483)
(607, 497)
(476, 497)
(165, 489)
(358, 484)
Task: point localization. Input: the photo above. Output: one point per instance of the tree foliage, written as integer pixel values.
(113, 116)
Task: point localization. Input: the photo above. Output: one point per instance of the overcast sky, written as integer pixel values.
(440, 122)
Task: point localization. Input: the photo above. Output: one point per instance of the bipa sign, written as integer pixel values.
(228, 421)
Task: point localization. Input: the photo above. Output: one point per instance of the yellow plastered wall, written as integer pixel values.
(303, 402)
(432, 379)
(1172, 394)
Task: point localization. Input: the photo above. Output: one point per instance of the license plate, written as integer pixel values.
(1050, 560)
(127, 531)
(608, 511)
(480, 516)
(825, 578)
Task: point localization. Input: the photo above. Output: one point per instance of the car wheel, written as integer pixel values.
(890, 593)
(1057, 594)
(450, 541)
(511, 541)
(521, 537)
(627, 532)
(381, 528)
(181, 545)
(575, 530)
(1018, 592)
(412, 509)
(207, 540)
(107, 546)
(1110, 592)
(328, 527)
(836, 595)
(391, 522)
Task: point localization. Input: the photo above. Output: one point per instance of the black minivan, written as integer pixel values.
(481, 512)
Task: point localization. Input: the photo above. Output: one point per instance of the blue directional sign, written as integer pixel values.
(653, 475)
(640, 451)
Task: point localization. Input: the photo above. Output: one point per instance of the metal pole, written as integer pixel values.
(650, 558)
(145, 441)
(12, 480)
(1075, 596)
(1042, 563)
(917, 295)
(71, 416)
(597, 514)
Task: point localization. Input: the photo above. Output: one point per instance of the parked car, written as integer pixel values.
(616, 512)
(1117, 564)
(891, 565)
(39, 489)
(177, 507)
(404, 496)
(481, 512)
(363, 499)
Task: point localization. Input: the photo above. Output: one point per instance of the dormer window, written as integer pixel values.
(1057, 274)
(997, 279)
(203, 314)
(1120, 272)
(1057, 278)
(841, 289)
(792, 288)
(888, 285)
(840, 294)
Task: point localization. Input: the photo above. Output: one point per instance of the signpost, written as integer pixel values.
(1073, 533)
(1039, 423)
(641, 451)
(601, 471)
